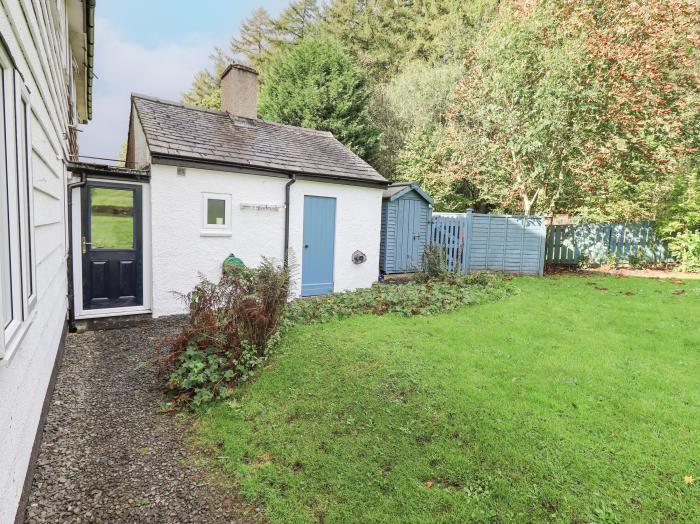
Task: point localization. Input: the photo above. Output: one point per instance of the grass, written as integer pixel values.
(102, 196)
(574, 401)
(111, 230)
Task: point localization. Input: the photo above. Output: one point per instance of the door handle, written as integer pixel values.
(306, 246)
(84, 245)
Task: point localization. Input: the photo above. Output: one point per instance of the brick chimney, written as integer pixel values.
(239, 91)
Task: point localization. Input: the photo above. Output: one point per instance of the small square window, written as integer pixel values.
(216, 214)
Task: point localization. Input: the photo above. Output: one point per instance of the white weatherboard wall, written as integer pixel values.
(181, 252)
(41, 55)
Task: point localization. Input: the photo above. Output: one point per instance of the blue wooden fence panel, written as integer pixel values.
(598, 243)
(479, 242)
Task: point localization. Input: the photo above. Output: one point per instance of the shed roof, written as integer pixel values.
(399, 189)
(179, 131)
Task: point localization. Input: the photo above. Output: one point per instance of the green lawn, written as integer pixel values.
(109, 228)
(112, 231)
(577, 400)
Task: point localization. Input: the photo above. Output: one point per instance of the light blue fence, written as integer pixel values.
(478, 242)
(599, 243)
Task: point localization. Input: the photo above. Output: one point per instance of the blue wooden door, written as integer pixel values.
(409, 224)
(319, 246)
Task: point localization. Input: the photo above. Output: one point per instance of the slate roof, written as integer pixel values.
(202, 135)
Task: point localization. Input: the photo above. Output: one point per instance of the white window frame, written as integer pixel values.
(5, 67)
(26, 186)
(18, 188)
(216, 229)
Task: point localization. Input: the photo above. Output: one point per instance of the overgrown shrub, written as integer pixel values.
(434, 264)
(686, 246)
(680, 225)
(414, 298)
(230, 327)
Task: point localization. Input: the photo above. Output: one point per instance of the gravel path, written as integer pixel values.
(107, 455)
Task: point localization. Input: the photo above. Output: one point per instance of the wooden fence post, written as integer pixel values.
(466, 255)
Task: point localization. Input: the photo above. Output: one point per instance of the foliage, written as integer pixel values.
(316, 85)
(228, 333)
(434, 263)
(680, 222)
(512, 130)
(590, 108)
(384, 35)
(206, 86)
(122, 154)
(296, 22)
(254, 42)
(480, 415)
(413, 298)
(642, 66)
(686, 248)
(259, 38)
(410, 105)
(426, 159)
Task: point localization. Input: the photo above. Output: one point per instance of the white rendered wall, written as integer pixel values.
(181, 252)
(26, 369)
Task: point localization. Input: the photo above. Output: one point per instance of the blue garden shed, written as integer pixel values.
(405, 233)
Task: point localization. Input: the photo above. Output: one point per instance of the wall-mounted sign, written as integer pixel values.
(262, 207)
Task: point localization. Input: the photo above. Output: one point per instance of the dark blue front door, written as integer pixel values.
(319, 246)
(112, 246)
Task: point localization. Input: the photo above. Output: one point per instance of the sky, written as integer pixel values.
(153, 47)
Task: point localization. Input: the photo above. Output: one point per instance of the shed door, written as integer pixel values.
(111, 246)
(319, 246)
(409, 217)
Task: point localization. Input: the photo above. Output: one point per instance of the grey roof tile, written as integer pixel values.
(196, 133)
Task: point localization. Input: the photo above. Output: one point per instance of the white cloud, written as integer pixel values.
(125, 67)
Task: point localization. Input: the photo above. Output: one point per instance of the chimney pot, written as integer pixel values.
(239, 91)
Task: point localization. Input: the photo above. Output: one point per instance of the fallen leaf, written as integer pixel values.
(678, 291)
(689, 479)
(263, 459)
(677, 281)
(429, 484)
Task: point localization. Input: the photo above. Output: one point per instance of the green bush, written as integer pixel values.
(230, 328)
(434, 264)
(686, 247)
(681, 224)
(414, 298)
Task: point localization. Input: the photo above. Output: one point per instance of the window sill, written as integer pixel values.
(215, 233)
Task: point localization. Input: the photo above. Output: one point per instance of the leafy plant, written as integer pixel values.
(230, 328)
(413, 298)
(434, 263)
(686, 246)
(584, 261)
(613, 261)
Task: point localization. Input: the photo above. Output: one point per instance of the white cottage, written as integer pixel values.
(211, 183)
(45, 85)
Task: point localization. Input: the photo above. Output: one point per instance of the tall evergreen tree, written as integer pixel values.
(254, 42)
(296, 22)
(315, 84)
(206, 86)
